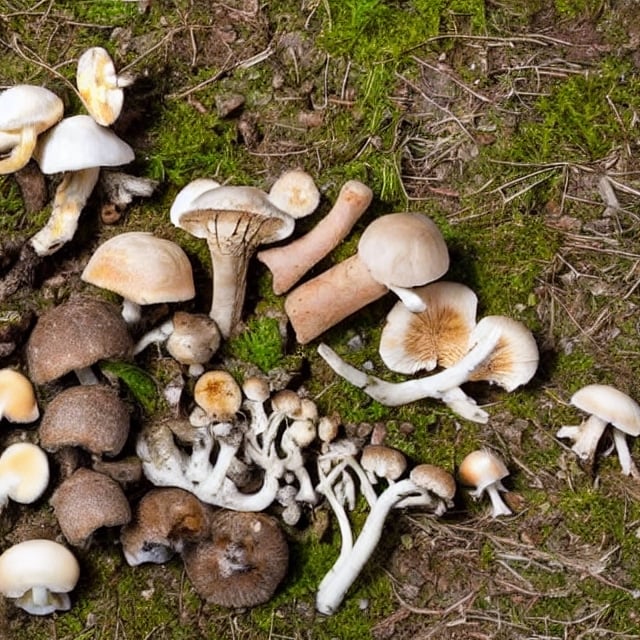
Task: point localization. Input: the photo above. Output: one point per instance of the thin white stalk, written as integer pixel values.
(498, 506)
(627, 465)
(585, 437)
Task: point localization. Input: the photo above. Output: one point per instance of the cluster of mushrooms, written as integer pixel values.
(232, 464)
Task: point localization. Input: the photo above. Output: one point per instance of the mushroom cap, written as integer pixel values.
(384, 462)
(195, 338)
(295, 193)
(256, 388)
(242, 561)
(74, 335)
(434, 479)
(29, 105)
(24, 470)
(85, 502)
(91, 417)
(142, 268)
(481, 468)
(17, 398)
(218, 394)
(97, 84)
(404, 250)
(438, 335)
(163, 521)
(287, 402)
(187, 195)
(38, 563)
(611, 405)
(79, 142)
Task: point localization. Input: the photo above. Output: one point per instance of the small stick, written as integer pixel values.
(290, 262)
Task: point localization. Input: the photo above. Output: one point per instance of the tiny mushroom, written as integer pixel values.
(396, 252)
(485, 470)
(296, 193)
(25, 111)
(241, 562)
(24, 473)
(143, 269)
(17, 398)
(381, 461)
(605, 405)
(437, 481)
(38, 575)
(73, 336)
(87, 501)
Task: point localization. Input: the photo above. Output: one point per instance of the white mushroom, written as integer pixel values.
(24, 473)
(484, 470)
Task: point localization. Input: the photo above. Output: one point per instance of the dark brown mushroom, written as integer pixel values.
(242, 561)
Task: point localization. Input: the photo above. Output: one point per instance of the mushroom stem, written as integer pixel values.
(71, 196)
(21, 153)
(460, 403)
(322, 302)
(585, 436)
(498, 506)
(86, 375)
(290, 262)
(627, 465)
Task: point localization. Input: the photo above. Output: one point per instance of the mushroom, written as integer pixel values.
(91, 417)
(290, 262)
(295, 193)
(380, 461)
(24, 473)
(99, 86)
(438, 482)
(484, 470)
(73, 336)
(87, 501)
(396, 251)
(234, 221)
(78, 147)
(17, 398)
(164, 521)
(25, 111)
(241, 562)
(143, 269)
(440, 334)
(38, 575)
(604, 404)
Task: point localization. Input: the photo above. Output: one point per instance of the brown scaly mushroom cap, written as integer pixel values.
(85, 502)
(242, 562)
(73, 336)
(91, 417)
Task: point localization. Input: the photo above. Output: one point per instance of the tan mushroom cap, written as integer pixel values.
(439, 335)
(17, 397)
(384, 462)
(24, 470)
(481, 468)
(218, 394)
(195, 338)
(295, 193)
(241, 563)
(74, 335)
(87, 501)
(91, 417)
(142, 268)
(434, 479)
(256, 388)
(610, 405)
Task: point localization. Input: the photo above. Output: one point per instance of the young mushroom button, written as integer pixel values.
(24, 473)
(17, 398)
(484, 470)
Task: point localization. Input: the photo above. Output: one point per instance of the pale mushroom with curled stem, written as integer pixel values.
(18, 401)
(484, 470)
(24, 473)
(605, 405)
(396, 252)
(38, 576)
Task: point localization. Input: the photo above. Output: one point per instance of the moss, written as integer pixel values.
(260, 343)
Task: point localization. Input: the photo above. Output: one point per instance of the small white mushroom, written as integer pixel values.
(17, 397)
(24, 473)
(484, 470)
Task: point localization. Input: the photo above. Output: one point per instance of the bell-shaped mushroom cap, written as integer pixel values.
(91, 417)
(241, 563)
(87, 501)
(17, 398)
(141, 268)
(286, 402)
(98, 86)
(434, 479)
(26, 111)
(482, 468)
(256, 388)
(164, 520)
(79, 142)
(195, 338)
(383, 462)
(75, 335)
(24, 472)
(438, 335)
(610, 405)
(39, 574)
(295, 193)
(404, 250)
(218, 394)
(514, 361)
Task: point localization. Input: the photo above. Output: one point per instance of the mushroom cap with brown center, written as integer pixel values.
(610, 405)
(91, 417)
(241, 563)
(218, 394)
(74, 335)
(481, 468)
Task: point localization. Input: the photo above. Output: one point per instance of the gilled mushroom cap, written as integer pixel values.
(481, 468)
(434, 479)
(91, 417)
(79, 142)
(241, 563)
(42, 565)
(384, 462)
(404, 250)
(85, 502)
(17, 398)
(142, 268)
(24, 470)
(610, 405)
(74, 335)
(218, 394)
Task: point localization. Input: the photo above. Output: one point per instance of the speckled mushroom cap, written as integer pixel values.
(434, 479)
(382, 461)
(74, 335)
(218, 394)
(91, 417)
(242, 562)
(611, 405)
(85, 502)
